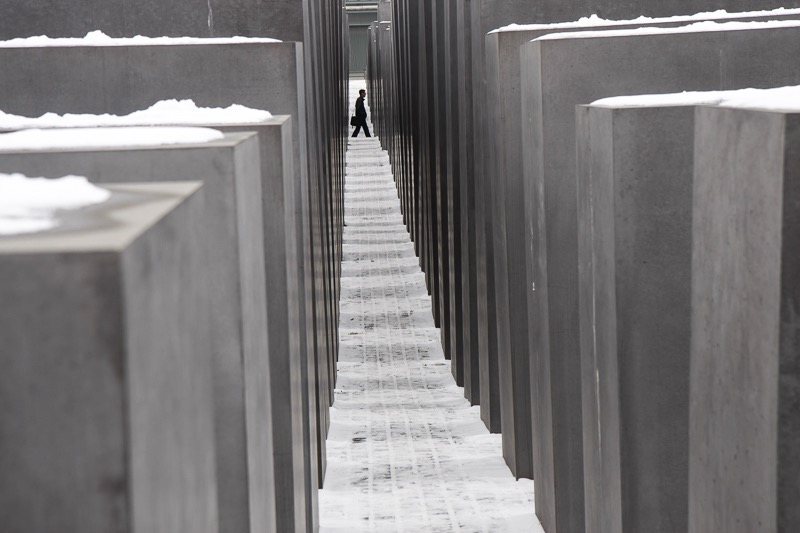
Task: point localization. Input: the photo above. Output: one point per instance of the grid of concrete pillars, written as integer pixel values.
(614, 282)
(557, 242)
(234, 332)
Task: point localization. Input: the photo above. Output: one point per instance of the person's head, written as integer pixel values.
(362, 93)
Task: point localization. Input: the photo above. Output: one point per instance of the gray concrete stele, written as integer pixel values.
(107, 416)
(281, 19)
(634, 168)
(744, 469)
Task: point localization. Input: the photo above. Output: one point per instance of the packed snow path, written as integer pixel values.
(406, 452)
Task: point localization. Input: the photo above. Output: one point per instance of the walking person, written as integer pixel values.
(361, 115)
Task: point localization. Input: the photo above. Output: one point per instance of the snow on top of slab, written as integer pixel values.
(73, 138)
(30, 205)
(98, 38)
(697, 27)
(777, 99)
(785, 99)
(686, 98)
(165, 112)
(583, 22)
(594, 20)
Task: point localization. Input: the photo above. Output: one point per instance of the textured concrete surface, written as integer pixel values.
(231, 172)
(440, 170)
(510, 298)
(466, 178)
(600, 67)
(123, 79)
(107, 417)
(406, 450)
(384, 10)
(744, 464)
(634, 180)
(453, 188)
(279, 19)
(326, 101)
(285, 216)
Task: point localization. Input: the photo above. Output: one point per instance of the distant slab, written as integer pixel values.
(744, 461)
(107, 412)
(231, 172)
(281, 19)
(120, 79)
(602, 64)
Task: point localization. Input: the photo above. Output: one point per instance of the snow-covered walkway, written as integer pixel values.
(406, 452)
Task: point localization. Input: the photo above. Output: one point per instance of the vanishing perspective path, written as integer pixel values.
(406, 452)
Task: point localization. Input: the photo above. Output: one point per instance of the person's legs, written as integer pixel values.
(358, 128)
(363, 124)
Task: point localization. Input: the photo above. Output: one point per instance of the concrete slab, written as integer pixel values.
(487, 321)
(326, 101)
(282, 19)
(469, 309)
(431, 266)
(285, 217)
(453, 193)
(107, 414)
(318, 237)
(634, 184)
(247, 408)
(601, 66)
(442, 170)
(744, 466)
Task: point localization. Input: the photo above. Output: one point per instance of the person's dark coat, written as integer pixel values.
(360, 118)
(361, 111)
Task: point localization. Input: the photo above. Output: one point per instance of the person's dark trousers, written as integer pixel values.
(362, 124)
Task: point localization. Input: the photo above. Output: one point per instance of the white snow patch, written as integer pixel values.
(780, 99)
(29, 205)
(595, 20)
(777, 99)
(165, 112)
(98, 38)
(698, 27)
(38, 139)
(686, 98)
